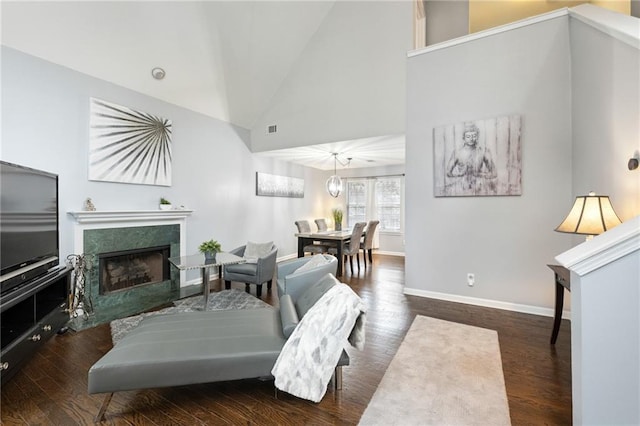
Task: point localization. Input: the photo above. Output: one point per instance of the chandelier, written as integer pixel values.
(334, 183)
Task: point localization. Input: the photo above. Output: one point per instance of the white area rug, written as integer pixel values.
(444, 373)
(225, 299)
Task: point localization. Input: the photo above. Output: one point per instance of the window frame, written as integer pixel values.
(370, 184)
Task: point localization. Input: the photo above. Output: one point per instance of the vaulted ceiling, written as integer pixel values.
(224, 59)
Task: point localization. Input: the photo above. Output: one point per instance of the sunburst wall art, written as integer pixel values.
(128, 146)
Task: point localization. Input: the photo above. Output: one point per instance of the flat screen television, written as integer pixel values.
(29, 244)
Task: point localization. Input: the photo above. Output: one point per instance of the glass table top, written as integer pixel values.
(197, 261)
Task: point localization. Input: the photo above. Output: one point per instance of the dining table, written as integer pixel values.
(339, 237)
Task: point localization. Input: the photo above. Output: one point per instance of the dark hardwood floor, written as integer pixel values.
(52, 387)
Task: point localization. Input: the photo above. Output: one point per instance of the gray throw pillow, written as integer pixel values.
(254, 251)
(314, 293)
(314, 262)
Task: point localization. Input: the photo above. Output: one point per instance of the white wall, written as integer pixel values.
(606, 111)
(505, 241)
(45, 125)
(605, 326)
(349, 83)
(606, 346)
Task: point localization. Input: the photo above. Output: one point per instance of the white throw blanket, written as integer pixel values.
(311, 353)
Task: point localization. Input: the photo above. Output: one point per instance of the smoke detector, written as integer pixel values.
(158, 73)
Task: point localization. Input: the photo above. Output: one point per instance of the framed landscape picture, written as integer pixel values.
(268, 185)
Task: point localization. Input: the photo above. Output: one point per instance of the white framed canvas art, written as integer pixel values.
(478, 158)
(268, 185)
(128, 146)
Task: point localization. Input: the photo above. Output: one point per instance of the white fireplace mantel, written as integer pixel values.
(101, 219)
(115, 216)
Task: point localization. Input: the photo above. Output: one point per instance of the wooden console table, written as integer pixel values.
(563, 280)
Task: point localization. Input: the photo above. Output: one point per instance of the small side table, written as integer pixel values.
(563, 280)
(197, 261)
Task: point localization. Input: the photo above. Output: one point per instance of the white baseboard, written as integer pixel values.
(389, 253)
(507, 306)
(287, 257)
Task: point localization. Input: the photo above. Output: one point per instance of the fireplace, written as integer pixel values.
(107, 239)
(122, 270)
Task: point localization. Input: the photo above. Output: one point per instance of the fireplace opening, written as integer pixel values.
(130, 268)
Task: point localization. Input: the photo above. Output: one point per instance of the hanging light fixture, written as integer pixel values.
(334, 183)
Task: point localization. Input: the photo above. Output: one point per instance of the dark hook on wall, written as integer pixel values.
(634, 161)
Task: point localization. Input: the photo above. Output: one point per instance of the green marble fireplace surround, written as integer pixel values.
(107, 307)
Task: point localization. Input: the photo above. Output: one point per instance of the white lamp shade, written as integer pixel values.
(334, 186)
(590, 215)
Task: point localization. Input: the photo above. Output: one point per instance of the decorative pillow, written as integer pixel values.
(314, 293)
(314, 262)
(254, 251)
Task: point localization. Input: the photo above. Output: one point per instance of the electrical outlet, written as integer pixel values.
(471, 279)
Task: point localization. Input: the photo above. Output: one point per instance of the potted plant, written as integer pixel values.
(210, 248)
(337, 219)
(165, 204)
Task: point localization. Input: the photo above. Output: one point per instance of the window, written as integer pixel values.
(375, 198)
(356, 201)
(388, 203)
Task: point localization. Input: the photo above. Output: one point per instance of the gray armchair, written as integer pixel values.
(252, 273)
(294, 283)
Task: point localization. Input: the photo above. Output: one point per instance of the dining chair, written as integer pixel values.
(367, 244)
(315, 248)
(321, 224)
(351, 247)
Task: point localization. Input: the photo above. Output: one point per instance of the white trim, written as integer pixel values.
(621, 27)
(89, 220)
(496, 304)
(389, 253)
(287, 257)
(603, 249)
(491, 31)
(391, 233)
(127, 215)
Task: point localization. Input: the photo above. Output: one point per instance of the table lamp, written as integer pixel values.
(590, 215)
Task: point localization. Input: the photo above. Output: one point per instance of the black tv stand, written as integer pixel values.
(31, 314)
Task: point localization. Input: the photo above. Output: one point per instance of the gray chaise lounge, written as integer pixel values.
(202, 347)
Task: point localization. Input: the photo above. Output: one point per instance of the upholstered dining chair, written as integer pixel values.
(367, 244)
(256, 271)
(321, 224)
(315, 248)
(351, 247)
